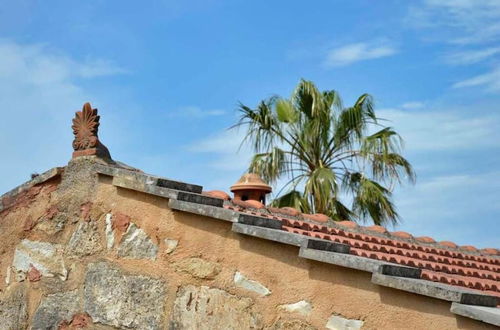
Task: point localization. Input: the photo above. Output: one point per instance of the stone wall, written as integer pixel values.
(92, 255)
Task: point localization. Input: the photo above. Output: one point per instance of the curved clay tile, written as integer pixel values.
(491, 251)
(401, 234)
(217, 194)
(448, 244)
(425, 239)
(378, 229)
(255, 204)
(318, 217)
(248, 204)
(468, 248)
(348, 224)
(285, 210)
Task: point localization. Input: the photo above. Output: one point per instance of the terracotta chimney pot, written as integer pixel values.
(251, 187)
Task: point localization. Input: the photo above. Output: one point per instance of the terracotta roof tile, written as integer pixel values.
(249, 204)
(469, 248)
(217, 194)
(376, 228)
(290, 211)
(318, 217)
(425, 239)
(349, 224)
(491, 251)
(448, 244)
(442, 262)
(401, 234)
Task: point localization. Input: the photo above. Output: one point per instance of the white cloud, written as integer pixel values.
(230, 155)
(473, 21)
(443, 130)
(490, 80)
(97, 68)
(356, 52)
(195, 112)
(38, 97)
(449, 207)
(412, 105)
(471, 56)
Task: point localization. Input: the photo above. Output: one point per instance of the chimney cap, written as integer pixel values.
(250, 181)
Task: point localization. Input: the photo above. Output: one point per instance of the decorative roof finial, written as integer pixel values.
(85, 127)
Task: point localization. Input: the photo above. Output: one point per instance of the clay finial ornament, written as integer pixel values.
(85, 127)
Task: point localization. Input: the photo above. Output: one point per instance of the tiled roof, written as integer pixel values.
(463, 275)
(443, 262)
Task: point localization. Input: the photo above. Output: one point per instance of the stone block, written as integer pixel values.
(435, 290)
(489, 315)
(243, 282)
(251, 220)
(85, 241)
(109, 232)
(205, 210)
(301, 307)
(57, 308)
(341, 259)
(199, 199)
(323, 245)
(400, 271)
(170, 245)
(46, 257)
(136, 244)
(14, 309)
(144, 187)
(198, 268)
(114, 298)
(290, 325)
(270, 234)
(336, 322)
(177, 185)
(211, 308)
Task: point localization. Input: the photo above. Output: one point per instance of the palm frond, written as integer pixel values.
(270, 165)
(293, 199)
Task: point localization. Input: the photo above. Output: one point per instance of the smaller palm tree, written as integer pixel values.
(327, 152)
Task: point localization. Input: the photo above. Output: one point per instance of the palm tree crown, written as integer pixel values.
(328, 152)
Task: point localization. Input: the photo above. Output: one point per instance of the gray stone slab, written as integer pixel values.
(489, 315)
(435, 290)
(177, 185)
(53, 172)
(270, 234)
(324, 245)
(341, 259)
(401, 271)
(205, 210)
(199, 199)
(144, 187)
(147, 178)
(251, 220)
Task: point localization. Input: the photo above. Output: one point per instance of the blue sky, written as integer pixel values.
(167, 76)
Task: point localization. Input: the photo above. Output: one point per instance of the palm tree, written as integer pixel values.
(328, 152)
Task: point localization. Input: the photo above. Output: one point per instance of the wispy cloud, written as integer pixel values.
(412, 105)
(226, 146)
(195, 112)
(471, 56)
(490, 80)
(356, 52)
(443, 130)
(39, 64)
(470, 21)
(448, 206)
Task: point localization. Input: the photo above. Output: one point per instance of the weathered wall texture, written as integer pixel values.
(89, 254)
